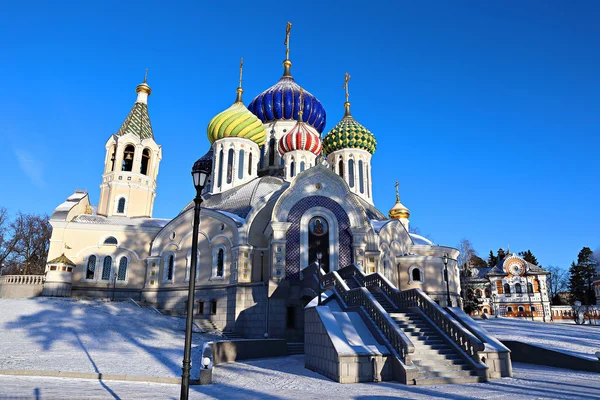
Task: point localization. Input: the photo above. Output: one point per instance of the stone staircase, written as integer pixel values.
(383, 301)
(229, 335)
(206, 325)
(435, 359)
(294, 348)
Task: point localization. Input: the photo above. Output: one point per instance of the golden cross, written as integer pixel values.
(146, 76)
(288, 28)
(241, 68)
(346, 79)
(397, 192)
(301, 106)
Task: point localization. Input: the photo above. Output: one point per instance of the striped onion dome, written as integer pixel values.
(237, 121)
(349, 134)
(282, 101)
(300, 137)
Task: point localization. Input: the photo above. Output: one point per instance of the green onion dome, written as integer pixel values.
(237, 121)
(349, 134)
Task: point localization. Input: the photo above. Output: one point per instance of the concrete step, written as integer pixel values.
(446, 351)
(294, 348)
(444, 361)
(206, 325)
(437, 346)
(428, 365)
(442, 380)
(233, 335)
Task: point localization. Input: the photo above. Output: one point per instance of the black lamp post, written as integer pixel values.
(448, 301)
(529, 292)
(200, 172)
(319, 256)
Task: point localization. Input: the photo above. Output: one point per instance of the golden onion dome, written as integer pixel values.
(399, 210)
(143, 87)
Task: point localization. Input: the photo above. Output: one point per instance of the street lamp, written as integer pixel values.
(529, 291)
(319, 256)
(495, 307)
(448, 301)
(200, 172)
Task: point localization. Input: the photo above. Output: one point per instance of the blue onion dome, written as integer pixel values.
(282, 101)
(349, 134)
(237, 121)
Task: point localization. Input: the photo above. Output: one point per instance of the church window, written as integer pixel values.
(292, 168)
(416, 274)
(213, 307)
(487, 292)
(509, 309)
(230, 165)
(122, 269)
(529, 287)
(302, 166)
(121, 206)
(533, 309)
(341, 168)
(241, 164)
(518, 288)
(106, 268)
(111, 240)
(220, 170)
(351, 172)
(170, 267)
(91, 267)
(145, 162)
(521, 309)
(128, 158)
(368, 186)
(272, 152)
(249, 164)
(220, 260)
(506, 288)
(485, 311)
(112, 158)
(361, 183)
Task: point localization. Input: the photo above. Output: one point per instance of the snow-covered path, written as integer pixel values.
(286, 378)
(90, 336)
(580, 340)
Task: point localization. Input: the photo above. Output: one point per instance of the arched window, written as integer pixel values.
(145, 162)
(529, 287)
(91, 267)
(341, 168)
(241, 164)
(169, 267)
(416, 274)
(292, 169)
(506, 288)
(509, 309)
(230, 165)
(106, 268)
(218, 264)
(272, 152)
(368, 186)
(122, 269)
(113, 156)
(302, 166)
(478, 293)
(487, 292)
(249, 164)
(361, 183)
(220, 261)
(518, 288)
(521, 309)
(128, 158)
(121, 206)
(485, 311)
(499, 287)
(351, 172)
(220, 170)
(111, 240)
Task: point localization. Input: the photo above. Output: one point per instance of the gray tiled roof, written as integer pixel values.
(141, 222)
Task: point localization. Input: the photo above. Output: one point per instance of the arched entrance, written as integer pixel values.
(318, 241)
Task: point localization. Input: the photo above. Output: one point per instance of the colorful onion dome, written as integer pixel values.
(281, 101)
(237, 121)
(300, 137)
(349, 134)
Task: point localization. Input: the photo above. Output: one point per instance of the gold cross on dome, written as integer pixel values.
(346, 79)
(288, 28)
(241, 68)
(397, 191)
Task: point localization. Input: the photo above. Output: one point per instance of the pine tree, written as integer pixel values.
(576, 283)
(492, 260)
(501, 254)
(478, 262)
(529, 257)
(581, 276)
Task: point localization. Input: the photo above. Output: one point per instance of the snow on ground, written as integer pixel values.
(90, 336)
(286, 378)
(579, 340)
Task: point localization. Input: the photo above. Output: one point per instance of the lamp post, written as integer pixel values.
(200, 172)
(319, 256)
(448, 301)
(529, 292)
(494, 305)
(542, 301)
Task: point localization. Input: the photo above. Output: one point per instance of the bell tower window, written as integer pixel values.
(128, 158)
(145, 162)
(121, 206)
(249, 164)
(113, 155)
(341, 168)
(230, 165)
(241, 165)
(271, 152)
(220, 170)
(351, 173)
(360, 176)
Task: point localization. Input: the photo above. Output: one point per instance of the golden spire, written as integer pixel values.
(144, 88)
(397, 192)
(146, 76)
(287, 64)
(239, 90)
(347, 103)
(301, 111)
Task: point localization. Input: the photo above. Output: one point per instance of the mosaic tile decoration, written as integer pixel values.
(137, 122)
(292, 259)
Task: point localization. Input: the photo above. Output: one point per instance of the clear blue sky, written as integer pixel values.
(488, 113)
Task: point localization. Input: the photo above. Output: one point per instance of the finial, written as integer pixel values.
(146, 76)
(347, 103)
(143, 90)
(397, 192)
(239, 90)
(287, 64)
(301, 111)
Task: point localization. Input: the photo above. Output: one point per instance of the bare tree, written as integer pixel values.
(466, 253)
(31, 249)
(8, 238)
(557, 282)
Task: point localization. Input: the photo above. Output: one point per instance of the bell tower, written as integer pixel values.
(131, 165)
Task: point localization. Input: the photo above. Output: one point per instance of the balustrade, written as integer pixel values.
(22, 279)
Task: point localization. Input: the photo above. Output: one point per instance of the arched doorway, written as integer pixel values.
(318, 241)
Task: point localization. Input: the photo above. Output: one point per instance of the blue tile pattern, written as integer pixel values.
(292, 259)
(282, 101)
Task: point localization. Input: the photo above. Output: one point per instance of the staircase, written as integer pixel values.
(383, 301)
(206, 325)
(294, 348)
(436, 360)
(229, 335)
